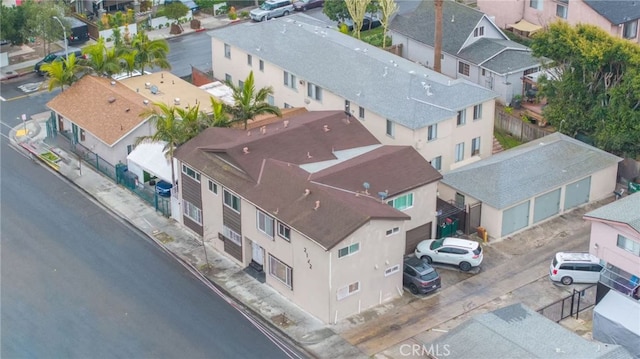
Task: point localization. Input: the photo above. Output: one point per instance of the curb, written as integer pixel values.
(14, 74)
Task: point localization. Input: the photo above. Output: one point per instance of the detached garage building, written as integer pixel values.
(531, 183)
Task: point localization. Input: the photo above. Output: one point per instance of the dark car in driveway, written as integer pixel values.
(56, 56)
(304, 5)
(419, 277)
(368, 23)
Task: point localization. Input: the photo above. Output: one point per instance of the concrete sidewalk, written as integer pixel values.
(315, 337)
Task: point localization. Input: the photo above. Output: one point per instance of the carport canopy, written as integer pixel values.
(150, 156)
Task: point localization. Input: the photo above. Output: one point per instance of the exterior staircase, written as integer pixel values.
(497, 147)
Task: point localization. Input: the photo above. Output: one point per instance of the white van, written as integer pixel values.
(575, 267)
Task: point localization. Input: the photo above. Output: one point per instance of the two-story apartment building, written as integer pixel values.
(473, 47)
(615, 239)
(617, 17)
(449, 122)
(314, 202)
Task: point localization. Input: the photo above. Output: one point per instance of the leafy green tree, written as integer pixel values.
(150, 53)
(596, 92)
(64, 72)
(219, 116)
(13, 19)
(175, 11)
(336, 10)
(249, 103)
(39, 21)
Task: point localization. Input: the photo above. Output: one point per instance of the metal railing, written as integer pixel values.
(573, 304)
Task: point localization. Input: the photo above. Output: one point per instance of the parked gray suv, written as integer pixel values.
(270, 9)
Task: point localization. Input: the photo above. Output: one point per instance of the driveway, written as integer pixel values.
(518, 264)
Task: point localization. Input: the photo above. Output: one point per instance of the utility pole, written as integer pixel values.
(437, 52)
(64, 34)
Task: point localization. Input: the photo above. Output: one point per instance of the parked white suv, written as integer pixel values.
(461, 252)
(270, 9)
(575, 267)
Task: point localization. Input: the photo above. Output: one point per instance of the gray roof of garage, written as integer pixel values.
(516, 331)
(523, 172)
(625, 210)
(386, 84)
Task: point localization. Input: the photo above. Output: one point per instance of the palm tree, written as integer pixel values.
(128, 60)
(150, 52)
(169, 129)
(103, 60)
(219, 116)
(249, 103)
(63, 73)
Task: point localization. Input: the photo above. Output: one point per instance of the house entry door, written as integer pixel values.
(257, 257)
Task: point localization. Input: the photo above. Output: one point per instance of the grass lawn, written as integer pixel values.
(373, 37)
(506, 141)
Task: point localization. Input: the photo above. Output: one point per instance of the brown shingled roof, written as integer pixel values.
(107, 111)
(271, 177)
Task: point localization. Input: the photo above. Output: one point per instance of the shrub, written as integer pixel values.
(244, 14)
(232, 13)
(508, 110)
(344, 28)
(160, 26)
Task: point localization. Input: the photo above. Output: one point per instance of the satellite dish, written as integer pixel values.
(366, 185)
(154, 89)
(383, 195)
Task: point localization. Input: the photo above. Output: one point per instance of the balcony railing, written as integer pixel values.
(621, 283)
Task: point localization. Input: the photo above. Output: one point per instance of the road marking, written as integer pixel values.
(2, 98)
(17, 98)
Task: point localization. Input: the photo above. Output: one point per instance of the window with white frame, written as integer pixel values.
(391, 270)
(284, 231)
(281, 271)
(232, 201)
(403, 202)
(432, 132)
(213, 187)
(190, 172)
(393, 231)
(436, 163)
(463, 68)
(390, 128)
(232, 235)
(478, 31)
(630, 29)
(628, 245)
(227, 51)
(536, 4)
(261, 65)
(477, 112)
(192, 212)
(459, 152)
(290, 80)
(249, 60)
(271, 100)
(348, 250)
(462, 117)
(561, 11)
(361, 112)
(314, 91)
(228, 78)
(475, 146)
(348, 290)
(264, 223)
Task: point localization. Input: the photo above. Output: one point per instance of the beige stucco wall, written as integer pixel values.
(603, 183)
(424, 207)
(448, 133)
(605, 235)
(211, 212)
(377, 253)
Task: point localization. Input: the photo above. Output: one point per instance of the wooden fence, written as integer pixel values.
(518, 128)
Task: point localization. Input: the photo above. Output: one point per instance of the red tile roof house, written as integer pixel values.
(315, 202)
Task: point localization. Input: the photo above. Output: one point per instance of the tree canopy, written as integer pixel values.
(597, 88)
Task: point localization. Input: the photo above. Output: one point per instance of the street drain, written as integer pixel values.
(163, 237)
(394, 327)
(281, 320)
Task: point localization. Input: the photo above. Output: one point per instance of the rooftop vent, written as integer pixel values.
(326, 128)
(285, 123)
(113, 83)
(147, 85)
(145, 101)
(307, 192)
(316, 206)
(111, 99)
(154, 89)
(245, 150)
(176, 101)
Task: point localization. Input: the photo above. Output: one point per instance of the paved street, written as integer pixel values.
(78, 282)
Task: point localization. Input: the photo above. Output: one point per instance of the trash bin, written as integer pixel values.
(633, 186)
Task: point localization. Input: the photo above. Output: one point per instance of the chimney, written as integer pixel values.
(437, 53)
(317, 206)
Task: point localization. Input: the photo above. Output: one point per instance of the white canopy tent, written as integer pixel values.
(150, 157)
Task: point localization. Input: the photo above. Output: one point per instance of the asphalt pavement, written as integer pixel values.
(512, 266)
